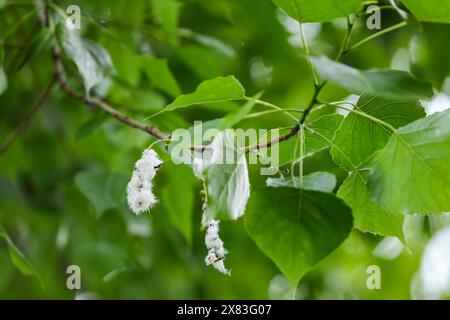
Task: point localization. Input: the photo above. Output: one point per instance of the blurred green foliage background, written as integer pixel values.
(71, 156)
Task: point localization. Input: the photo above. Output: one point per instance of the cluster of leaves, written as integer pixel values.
(385, 159)
(396, 157)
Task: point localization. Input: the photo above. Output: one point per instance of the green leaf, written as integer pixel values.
(104, 190)
(97, 119)
(358, 137)
(209, 42)
(3, 80)
(409, 18)
(324, 126)
(430, 10)
(297, 228)
(19, 260)
(390, 84)
(127, 64)
(159, 74)
(220, 89)
(319, 10)
(40, 41)
(228, 121)
(226, 179)
(93, 61)
(412, 173)
(178, 198)
(167, 13)
(2, 4)
(317, 181)
(427, 47)
(201, 61)
(367, 216)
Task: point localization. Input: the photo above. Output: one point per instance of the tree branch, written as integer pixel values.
(60, 78)
(26, 120)
(317, 89)
(275, 141)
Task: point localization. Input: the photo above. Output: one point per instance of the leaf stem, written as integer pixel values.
(380, 33)
(308, 55)
(317, 89)
(60, 78)
(275, 141)
(159, 141)
(344, 49)
(263, 113)
(270, 105)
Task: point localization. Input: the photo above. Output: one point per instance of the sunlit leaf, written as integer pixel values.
(411, 174)
(358, 137)
(367, 216)
(216, 90)
(430, 10)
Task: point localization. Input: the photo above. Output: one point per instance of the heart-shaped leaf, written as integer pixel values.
(297, 228)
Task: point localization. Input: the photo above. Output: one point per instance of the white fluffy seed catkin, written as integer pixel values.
(216, 250)
(139, 190)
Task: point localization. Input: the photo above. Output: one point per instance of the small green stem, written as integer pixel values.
(308, 55)
(263, 113)
(313, 102)
(302, 153)
(270, 105)
(159, 141)
(380, 33)
(344, 49)
(318, 88)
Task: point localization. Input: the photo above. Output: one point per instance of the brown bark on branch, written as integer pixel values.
(60, 77)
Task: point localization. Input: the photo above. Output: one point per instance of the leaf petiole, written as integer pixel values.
(379, 34)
